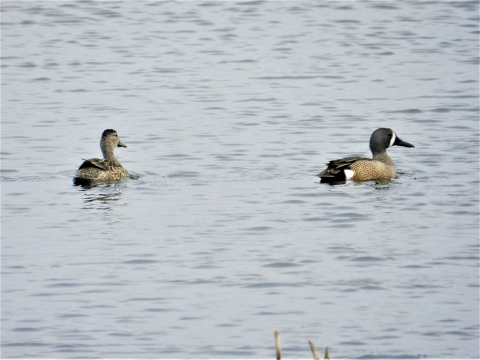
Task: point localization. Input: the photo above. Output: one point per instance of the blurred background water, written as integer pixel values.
(229, 109)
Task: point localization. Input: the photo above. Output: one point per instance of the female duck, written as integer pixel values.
(362, 169)
(106, 169)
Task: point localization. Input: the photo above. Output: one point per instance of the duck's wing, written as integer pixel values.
(335, 168)
(94, 163)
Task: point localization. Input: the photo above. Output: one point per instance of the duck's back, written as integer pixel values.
(337, 170)
(101, 170)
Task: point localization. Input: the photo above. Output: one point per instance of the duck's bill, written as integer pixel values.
(120, 144)
(400, 142)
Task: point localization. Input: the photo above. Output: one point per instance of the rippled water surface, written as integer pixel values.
(229, 109)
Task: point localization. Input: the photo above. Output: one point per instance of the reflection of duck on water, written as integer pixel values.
(101, 201)
(106, 169)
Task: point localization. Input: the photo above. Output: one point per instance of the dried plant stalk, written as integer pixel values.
(278, 348)
(315, 353)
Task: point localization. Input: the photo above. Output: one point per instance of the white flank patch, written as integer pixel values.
(349, 174)
(394, 137)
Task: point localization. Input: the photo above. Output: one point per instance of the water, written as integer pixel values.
(229, 109)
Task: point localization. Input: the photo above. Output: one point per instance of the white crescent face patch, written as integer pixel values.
(394, 137)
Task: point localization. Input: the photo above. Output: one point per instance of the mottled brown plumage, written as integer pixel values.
(362, 169)
(106, 169)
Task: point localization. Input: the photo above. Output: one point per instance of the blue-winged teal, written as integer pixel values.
(106, 169)
(361, 169)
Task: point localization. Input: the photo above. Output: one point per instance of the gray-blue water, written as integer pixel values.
(229, 109)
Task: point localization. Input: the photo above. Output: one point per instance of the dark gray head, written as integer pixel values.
(383, 138)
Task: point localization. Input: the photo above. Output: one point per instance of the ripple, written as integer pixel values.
(140, 261)
(64, 285)
(281, 265)
(270, 285)
(407, 111)
(258, 228)
(27, 329)
(368, 259)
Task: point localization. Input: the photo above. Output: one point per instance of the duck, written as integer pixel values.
(106, 169)
(356, 168)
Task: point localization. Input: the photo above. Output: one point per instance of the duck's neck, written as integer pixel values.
(108, 153)
(383, 157)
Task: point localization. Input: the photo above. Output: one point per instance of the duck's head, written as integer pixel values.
(110, 138)
(109, 142)
(383, 138)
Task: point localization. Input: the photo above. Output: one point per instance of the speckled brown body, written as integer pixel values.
(372, 169)
(107, 169)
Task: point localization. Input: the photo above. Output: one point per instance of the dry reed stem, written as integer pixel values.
(278, 349)
(315, 353)
(327, 357)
